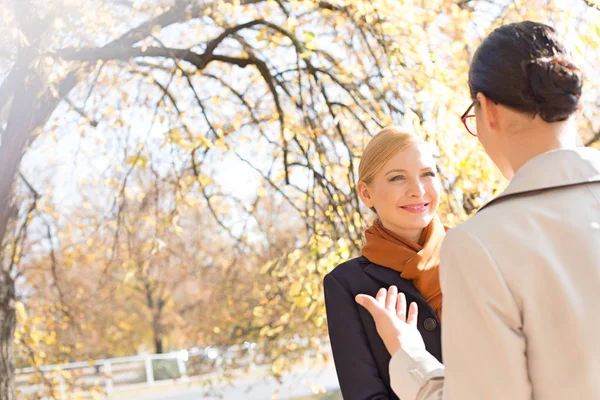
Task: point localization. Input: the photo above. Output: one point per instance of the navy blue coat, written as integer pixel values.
(361, 359)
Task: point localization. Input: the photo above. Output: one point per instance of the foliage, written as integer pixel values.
(189, 166)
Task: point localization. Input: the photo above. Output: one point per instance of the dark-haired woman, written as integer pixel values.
(521, 279)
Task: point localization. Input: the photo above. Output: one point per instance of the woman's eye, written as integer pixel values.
(397, 178)
(430, 173)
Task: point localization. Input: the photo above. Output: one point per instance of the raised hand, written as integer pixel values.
(396, 328)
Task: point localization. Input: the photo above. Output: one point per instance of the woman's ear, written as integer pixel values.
(489, 111)
(579, 112)
(364, 192)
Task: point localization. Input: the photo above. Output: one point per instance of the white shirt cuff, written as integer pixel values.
(411, 369)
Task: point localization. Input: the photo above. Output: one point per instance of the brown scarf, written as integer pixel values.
(417, 262)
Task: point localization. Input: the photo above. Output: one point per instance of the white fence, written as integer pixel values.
(122, 372)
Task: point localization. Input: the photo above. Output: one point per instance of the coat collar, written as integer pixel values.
(389, 277)
(562, 167)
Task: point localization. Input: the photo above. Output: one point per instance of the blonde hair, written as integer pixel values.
(382, 147)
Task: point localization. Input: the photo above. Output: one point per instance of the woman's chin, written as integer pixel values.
(416, 222)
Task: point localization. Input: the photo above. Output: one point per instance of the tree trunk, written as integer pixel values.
(7, 331)
(158, 345)
(30, 109)
(14, 139)
(157, 326)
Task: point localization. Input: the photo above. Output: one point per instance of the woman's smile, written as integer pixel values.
(416, 208)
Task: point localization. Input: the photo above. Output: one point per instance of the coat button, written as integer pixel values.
(429, 324)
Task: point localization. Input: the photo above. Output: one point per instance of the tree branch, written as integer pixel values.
(593, 3)
(212, 45)
(593, 140)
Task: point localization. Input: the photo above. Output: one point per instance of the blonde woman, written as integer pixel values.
(398, 181)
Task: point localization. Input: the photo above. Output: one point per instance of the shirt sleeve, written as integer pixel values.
(484, 348)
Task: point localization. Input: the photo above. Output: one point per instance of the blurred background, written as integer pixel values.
(177, 176)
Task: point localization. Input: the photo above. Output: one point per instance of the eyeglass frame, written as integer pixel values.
(466, 116)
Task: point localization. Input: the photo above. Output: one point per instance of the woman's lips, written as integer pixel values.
(415, 208)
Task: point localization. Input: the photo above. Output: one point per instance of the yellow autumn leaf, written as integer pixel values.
(204, 179)
(302, 301)
(175, 136)
(128, 275)
(137, 160)
(295, 288)
(21, 312)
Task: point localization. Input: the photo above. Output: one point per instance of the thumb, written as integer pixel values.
(368, 302)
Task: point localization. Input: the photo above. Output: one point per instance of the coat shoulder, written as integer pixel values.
(348, 269)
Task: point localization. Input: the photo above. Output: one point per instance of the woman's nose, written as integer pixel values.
(416, 189)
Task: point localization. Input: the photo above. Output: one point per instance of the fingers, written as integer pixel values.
(381, 296)
(413, 314)
(391, 300)
(372, 305)
(401, 307)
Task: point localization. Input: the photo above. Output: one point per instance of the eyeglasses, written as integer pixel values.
(469, 121)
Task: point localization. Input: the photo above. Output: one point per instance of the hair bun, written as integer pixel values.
(554, 87)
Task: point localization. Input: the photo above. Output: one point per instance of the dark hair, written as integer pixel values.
(527, 67)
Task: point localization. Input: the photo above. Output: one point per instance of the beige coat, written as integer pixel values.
(521, 284)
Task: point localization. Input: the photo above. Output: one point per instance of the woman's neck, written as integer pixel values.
(523, 146)
(414, 235)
